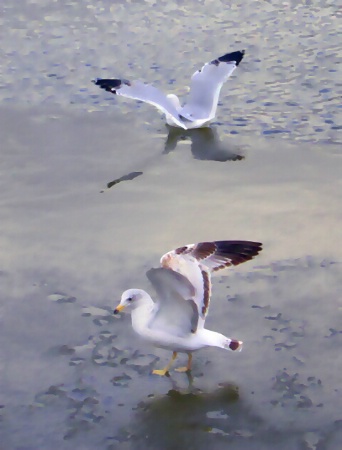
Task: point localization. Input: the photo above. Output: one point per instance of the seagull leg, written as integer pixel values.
(187, 368)
(164, 371)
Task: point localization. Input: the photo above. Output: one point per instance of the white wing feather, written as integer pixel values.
(205, 90)
(147, 93)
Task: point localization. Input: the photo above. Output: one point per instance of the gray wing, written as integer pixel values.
(140, 91)
(177, 312)
(206, 85)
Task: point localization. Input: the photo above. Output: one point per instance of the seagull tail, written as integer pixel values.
(232, 344)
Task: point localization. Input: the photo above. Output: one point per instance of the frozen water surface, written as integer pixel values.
(94, 189)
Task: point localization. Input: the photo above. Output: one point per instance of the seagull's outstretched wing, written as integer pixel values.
(196, 262)
(176, 310)
(220, 254)
(206, 84)
(143, 92)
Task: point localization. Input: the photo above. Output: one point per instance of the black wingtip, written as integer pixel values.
(234, 56)
(238, 251)
(108, 84)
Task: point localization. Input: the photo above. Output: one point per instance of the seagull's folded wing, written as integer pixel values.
(177, 312)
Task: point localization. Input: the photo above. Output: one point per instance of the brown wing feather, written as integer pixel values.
(219, 254)
(206, 292)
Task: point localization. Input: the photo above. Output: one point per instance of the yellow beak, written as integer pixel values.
(118, 309)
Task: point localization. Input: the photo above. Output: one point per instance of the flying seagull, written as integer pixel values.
(183, 286)
(201, 105)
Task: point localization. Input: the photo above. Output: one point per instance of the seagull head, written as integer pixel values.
(131, 299)
(175, 101)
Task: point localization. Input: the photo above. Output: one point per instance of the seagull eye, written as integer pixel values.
(129, 299)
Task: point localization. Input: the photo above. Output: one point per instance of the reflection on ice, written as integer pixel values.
(128, 177)
(205, 144)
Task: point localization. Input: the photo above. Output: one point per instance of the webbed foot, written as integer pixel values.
(183, 369)
(165, 371)
(161, 372)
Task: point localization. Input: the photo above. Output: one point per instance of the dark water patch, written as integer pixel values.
(294, 390)
(121, 380)
(333, 332)
(275, 131)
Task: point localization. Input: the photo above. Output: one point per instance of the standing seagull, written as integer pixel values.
(204, 93)
(183, 284)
